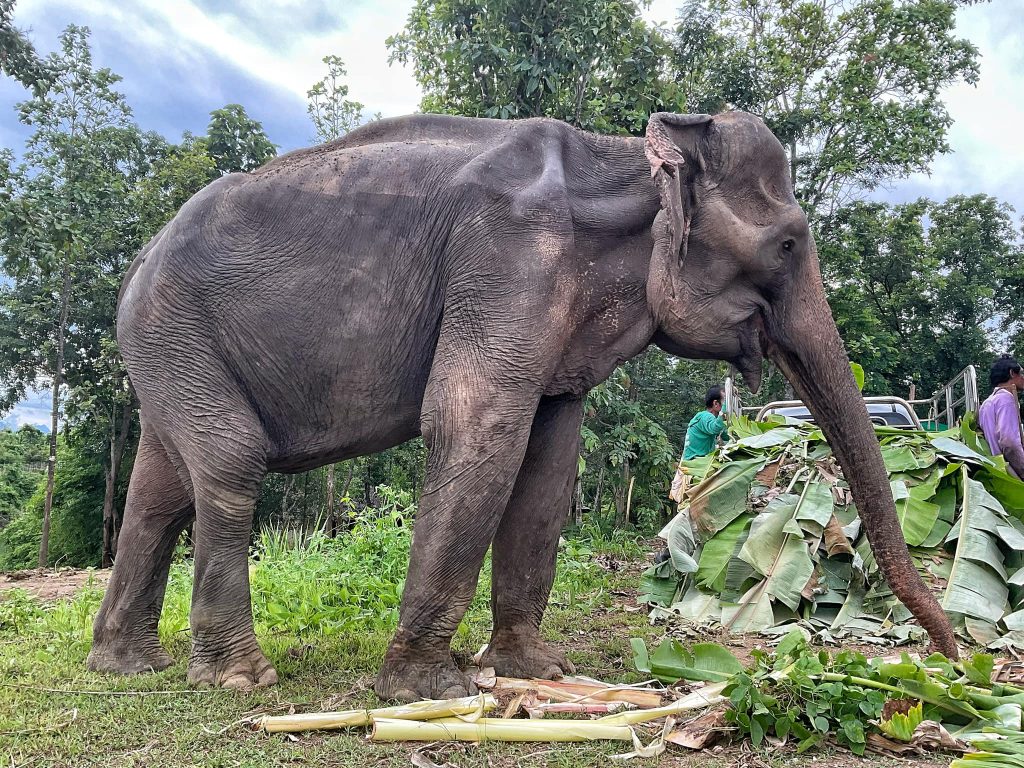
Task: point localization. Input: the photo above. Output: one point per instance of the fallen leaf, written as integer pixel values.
(767, 475)
(835, 540)
(485, 679)
(700, 732)
(420, 760)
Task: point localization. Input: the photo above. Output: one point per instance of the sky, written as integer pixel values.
(180, 59)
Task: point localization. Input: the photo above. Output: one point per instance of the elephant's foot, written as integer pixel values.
(408, 676)
(522, 653)
(128, 658)
(239, 670)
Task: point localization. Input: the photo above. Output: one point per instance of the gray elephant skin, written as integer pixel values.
(469, 281)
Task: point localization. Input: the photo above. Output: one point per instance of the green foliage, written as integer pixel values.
(800, 705)
(336, 585)
(18, 57)
(316, 587)
(924, 277)
(624, 446)
(850, 88)
(177, 173)
(76, 533)
(596, 65)
(22, 461)
(236, 142)
(332, 113)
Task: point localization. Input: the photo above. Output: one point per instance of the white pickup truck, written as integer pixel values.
(944, 409)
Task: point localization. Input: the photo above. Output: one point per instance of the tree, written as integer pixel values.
(236, 142)
(332, 113)
(63, 243)
(176, 172)
(918, 289)
(22, 458)
(593, 63)
(18, 57)
(850, 87)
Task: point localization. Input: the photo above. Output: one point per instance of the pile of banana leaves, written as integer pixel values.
(767, 536)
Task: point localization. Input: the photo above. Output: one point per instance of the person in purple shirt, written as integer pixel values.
(999, 415)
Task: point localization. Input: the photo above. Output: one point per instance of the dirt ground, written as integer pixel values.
(51, 584)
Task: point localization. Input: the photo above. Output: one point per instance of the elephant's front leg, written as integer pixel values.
(526, 545)
(476, 433)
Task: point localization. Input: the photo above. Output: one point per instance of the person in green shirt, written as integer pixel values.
(701, 434)
(705, 427)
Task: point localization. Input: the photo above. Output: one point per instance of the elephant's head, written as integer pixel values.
(734, 276)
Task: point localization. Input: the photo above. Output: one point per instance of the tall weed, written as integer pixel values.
(320, 586)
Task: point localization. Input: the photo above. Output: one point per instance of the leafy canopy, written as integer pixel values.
(593, 63)
(850, 87)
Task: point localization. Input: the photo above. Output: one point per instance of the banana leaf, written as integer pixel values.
(681, 543)
(699, 607)
(659, 584)
(975, 586)
(671, 661)
(753, 612)
(899, 458)
(722, 497)
(917, 517)
(815, 507)
(787, 544)
(718, 551)
(770, 439)
(778, 554)
(959, 451)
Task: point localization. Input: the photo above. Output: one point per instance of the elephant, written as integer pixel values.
(468, 280)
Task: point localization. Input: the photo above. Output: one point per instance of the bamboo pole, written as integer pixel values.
(496, 729)
(352, 718)
(702, 698)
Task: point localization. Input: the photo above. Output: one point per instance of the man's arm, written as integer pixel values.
(1008, 434)
(713, 426)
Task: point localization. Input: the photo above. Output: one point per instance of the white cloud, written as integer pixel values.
(357, 35)
(34, 410)
(985, 137)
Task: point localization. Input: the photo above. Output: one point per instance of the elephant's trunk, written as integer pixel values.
(804, 342)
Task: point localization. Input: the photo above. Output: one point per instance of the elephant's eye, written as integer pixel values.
(788, 245)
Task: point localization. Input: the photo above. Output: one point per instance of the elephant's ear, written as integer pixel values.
(672, 148)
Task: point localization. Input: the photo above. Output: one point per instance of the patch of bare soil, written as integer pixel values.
(50, 584)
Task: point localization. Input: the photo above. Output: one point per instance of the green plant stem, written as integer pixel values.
(833, 677)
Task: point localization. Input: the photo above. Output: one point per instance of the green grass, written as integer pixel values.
(324, 612)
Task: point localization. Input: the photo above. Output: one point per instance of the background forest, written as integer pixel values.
(850, 87)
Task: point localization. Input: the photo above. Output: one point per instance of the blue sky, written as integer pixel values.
(180, 59)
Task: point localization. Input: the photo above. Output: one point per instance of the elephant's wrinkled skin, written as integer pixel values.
(467, 280)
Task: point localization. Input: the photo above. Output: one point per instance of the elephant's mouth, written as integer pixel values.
(752, 349)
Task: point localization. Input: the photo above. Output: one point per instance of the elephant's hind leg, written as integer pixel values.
(526, 545)
(158, 508)
(226, 474)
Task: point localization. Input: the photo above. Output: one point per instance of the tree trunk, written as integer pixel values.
(107, 556)
(621, 513)
(118, 438)
(596, 508)
(332, 522)
(58, 379)
(577, 503)
(284, 499)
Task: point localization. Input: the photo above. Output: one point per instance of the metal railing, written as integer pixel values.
(951, 402)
